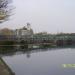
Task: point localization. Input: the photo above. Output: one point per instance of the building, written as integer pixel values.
(25, 31)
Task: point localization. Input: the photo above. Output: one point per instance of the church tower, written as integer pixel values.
(28, 26)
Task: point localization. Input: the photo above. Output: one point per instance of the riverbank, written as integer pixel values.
(4, 69)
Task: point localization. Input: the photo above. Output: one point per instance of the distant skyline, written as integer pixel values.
(52, 16)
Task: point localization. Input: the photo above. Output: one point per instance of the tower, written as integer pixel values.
(28, 26)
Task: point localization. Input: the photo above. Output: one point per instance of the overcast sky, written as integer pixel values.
(44, 15)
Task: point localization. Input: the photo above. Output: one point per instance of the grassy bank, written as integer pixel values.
(6, 67)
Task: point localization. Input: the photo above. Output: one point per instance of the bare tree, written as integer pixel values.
(5, 10)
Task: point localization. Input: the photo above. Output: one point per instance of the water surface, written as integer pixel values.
(42, 61)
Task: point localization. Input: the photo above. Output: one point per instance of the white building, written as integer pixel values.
(25, 31)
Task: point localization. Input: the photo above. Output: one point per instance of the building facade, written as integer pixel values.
(25, 31)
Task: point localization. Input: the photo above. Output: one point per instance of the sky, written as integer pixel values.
(52, 16)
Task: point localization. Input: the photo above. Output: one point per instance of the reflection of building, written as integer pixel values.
(28, 55)
(24, 31)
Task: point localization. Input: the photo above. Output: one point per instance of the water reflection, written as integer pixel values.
(16, 50)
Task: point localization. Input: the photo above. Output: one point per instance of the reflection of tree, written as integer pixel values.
(7, 51)
(5, 10)
(11, 50)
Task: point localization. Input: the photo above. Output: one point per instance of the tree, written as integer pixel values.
(5, 10)
(6, 31)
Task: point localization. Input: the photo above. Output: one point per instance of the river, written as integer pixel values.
(42, 61)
